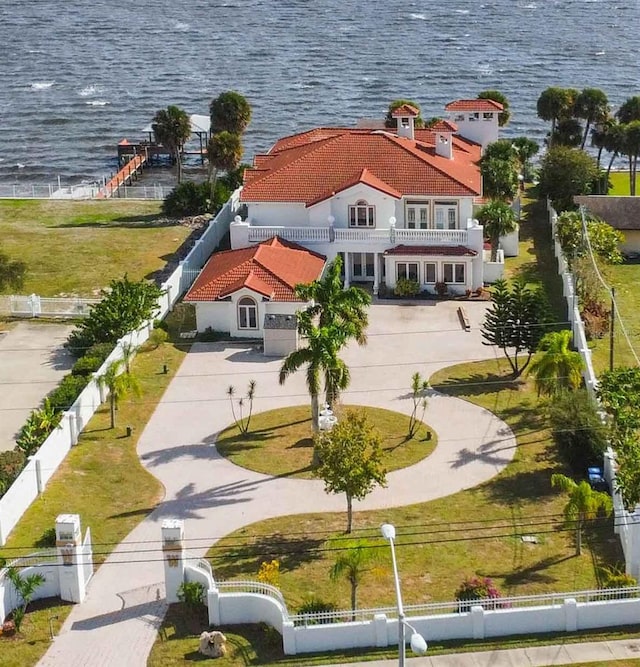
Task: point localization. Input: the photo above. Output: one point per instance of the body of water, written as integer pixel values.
(77, 76)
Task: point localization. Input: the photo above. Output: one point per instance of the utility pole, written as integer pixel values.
(612, 326)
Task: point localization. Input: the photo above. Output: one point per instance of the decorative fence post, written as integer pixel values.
(174, 557)
(70, 558)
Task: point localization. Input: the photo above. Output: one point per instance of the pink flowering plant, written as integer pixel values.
(478, 591)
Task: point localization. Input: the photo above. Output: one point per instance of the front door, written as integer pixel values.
(362, 267)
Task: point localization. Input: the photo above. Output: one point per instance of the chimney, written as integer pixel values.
(405, 116)
(444, 145)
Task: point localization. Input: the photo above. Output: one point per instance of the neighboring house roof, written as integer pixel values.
(439, 250)
(405, 110)
(272, 268)
(311, 166)
(443, 125)
(474, 105)
(619, 212)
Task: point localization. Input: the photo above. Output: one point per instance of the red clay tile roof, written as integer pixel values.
(474, 105)
(405, 110)
(272, 268)
(310, 166)
(443, 125)
(365, 177)
(440, 250)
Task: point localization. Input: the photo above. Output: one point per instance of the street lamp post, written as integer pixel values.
(418, 643)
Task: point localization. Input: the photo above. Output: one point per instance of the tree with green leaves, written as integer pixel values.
(501, 98)
(498, 219)
(555, 104)
(525, 149)
(584, 504)
(172, 129)
(242, 420)
(354, 564)
(564, 173)
(629, 110)
(331, 304)
(392, 122)
(26, 588)
(419, 387)
(515, 322)
(499, 169)
(350, 459)
(124, 307)
(224, 152)
(592, 106)
(568, 132)
(120, 383)
(604, 239)
(230, 112)
(558, 367)
(320, 357)
(12, 273)
(630, 147)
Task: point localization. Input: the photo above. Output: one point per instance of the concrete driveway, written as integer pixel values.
(32, 363)
(215, 497)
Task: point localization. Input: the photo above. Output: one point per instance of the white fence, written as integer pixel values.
(38, 306)
(83, 191)
(32, 480)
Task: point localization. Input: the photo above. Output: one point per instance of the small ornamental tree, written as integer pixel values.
(119, 383)
(353, 564)
(419, 387)
(350, 457)
(515, 322)
(476, 589)
(241, 419)
(26, 588)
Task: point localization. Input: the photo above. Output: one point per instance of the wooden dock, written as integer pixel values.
(125, 176)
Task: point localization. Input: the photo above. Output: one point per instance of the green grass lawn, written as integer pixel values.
(620, 183)
(280, 441)
(441, 542)
(102, 480)
(78, 247)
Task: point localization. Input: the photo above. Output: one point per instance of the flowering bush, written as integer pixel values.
(269, 573)
(478, 591)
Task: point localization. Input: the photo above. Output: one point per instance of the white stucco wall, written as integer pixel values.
(293, 214)
(631, 240)
(280, 342)
(481, 131)
(421, 260)
(510, 243)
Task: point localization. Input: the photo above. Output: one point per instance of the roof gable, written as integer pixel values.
(474, 105)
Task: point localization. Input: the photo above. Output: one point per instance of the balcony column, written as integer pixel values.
(376, 273)
(347, 270)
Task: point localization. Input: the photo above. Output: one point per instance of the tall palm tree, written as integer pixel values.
(555, 104)
(334, 305)
(559, 368)
(172, 129)
(498, 219)
(613, 143)
(631, 148)
(224, 151)
(525, 148)
(592, 105)
(320, 357)
(119, 383)
(229, 112)
(584, 504)
(353, 564)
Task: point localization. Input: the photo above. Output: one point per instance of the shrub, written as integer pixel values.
(577, 430)
(100, 351)
(616, 577)
(65, 394)
(316, 605)
(474, 589)
(156, 338)
(37, 428)
(192, 594)
(441, 288)
(86, 365)
(11, 465)
(596, 319)
(186, 199)
(269, 572)
(407, 287)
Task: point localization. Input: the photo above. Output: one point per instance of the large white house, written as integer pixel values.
(394, 203)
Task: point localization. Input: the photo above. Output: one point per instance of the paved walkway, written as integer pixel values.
(32, 363)
(117, 623)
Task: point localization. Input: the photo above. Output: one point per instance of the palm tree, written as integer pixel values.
(555, 104)
(119, 384)
(499, 177)
(498, 219)
(525, 148)
(25, 588)
(584, 504)
(353, 564)
(559, 368)
(224, 151)
(629, 110)
(631, 148)
(230, 112)
(613, 143)
(172, 129)
(592, 105)
(321, 359)
(334, 305)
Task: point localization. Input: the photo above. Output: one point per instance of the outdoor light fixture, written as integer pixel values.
(418, 643)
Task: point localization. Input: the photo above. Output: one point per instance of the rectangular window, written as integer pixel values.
(487, 115)
(446, 215)
(411, 218)
(430, 273)
(362, 215)
(453, 273)
(357, 265)
(408, 270)
(369, 259)
(417, 216)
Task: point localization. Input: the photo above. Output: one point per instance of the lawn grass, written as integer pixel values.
(476, 531)
(254, 645)
(77, 247)
(102, 480)
(620, 183)
(280, 442)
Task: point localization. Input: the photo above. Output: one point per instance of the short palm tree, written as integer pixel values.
(119, 383)
(584, 504)
(498, 219)
(353, 564)
(224, 151)
(172, 129)
(25, 588)
(558, 367)
(334, 305)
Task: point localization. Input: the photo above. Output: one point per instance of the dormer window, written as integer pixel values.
(362, 214)
(404, 122)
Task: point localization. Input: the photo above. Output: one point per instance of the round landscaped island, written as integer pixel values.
(280, 442)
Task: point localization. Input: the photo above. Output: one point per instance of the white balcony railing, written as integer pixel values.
(431, 236)
(362, 235)
(299, 234)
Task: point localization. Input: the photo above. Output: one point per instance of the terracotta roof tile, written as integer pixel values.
(439, 250)
(474, 105)
(272, 268)
(405, 110)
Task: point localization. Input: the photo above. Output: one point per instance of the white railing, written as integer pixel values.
(17, 305)
(431, 236)
(87, 556)
(89, 191)
(363, 235)
(305, 234)
(255, 587)
(31, 560)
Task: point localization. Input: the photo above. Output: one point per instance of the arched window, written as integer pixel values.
(362, 214)
(247, 313)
